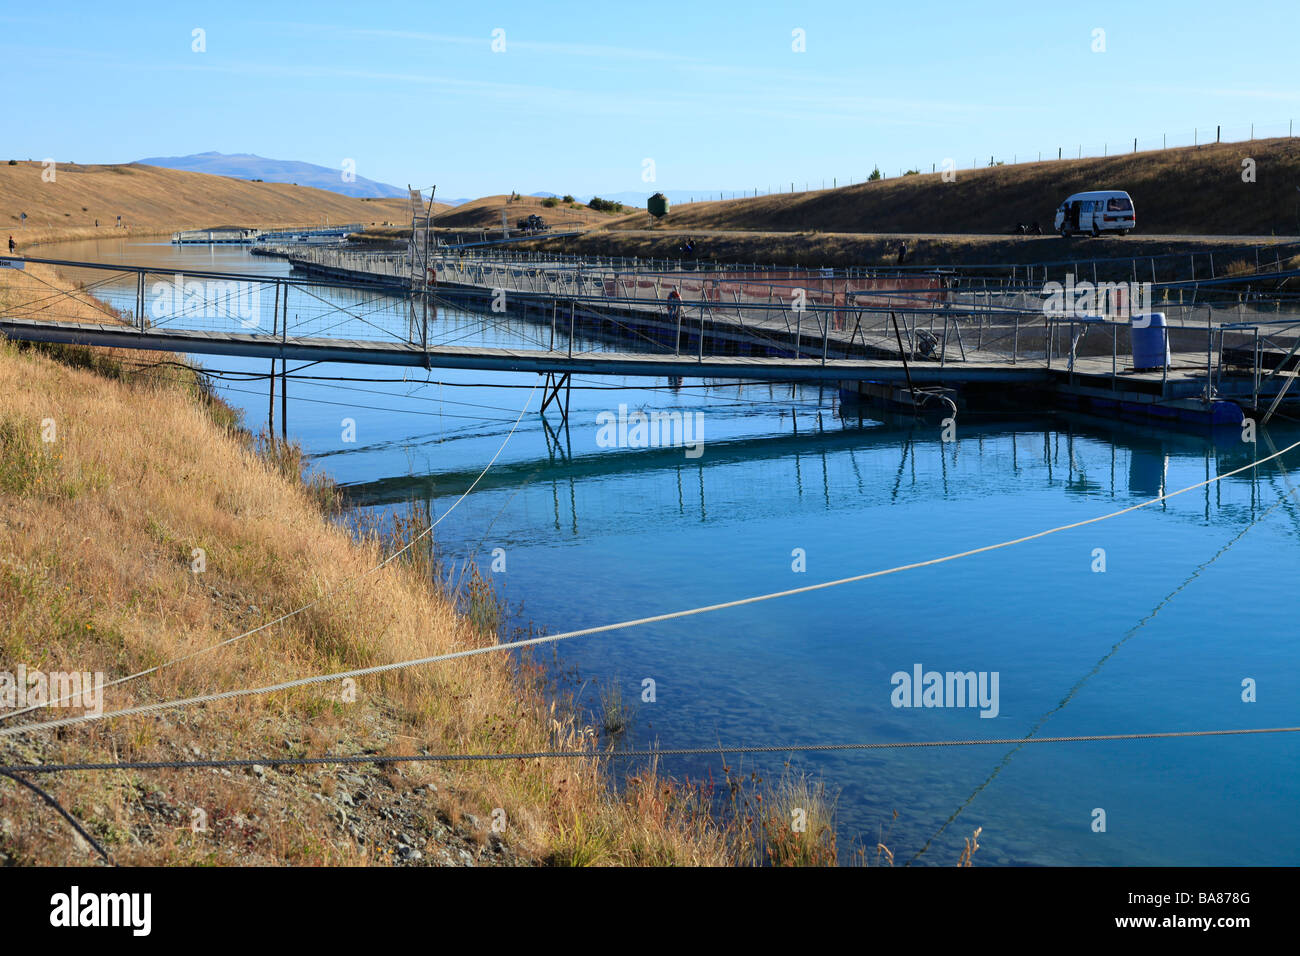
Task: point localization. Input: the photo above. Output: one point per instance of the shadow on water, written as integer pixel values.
(1144, 473)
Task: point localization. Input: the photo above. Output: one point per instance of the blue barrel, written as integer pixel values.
(1150, 341)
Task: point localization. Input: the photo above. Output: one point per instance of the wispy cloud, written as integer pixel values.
(513, 42)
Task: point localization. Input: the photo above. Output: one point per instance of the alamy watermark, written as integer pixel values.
(922, 688)
(75, 909)
(79, 689)
(640, 429)
(211, 299)
(1111, 300)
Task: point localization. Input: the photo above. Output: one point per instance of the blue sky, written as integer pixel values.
(584, 93)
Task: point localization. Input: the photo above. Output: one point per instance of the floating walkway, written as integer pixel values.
(236, 236)
(915, 340)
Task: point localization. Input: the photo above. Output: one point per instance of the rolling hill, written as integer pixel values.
(153, 201)
(485, 213)
(1189, 191)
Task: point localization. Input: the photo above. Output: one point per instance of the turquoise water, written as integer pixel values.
(1194, 598)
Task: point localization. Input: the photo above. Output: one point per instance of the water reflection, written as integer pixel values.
(1088, 458)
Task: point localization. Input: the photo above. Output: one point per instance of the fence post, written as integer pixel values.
(270, 411)
(701, 352)
(1209, 352)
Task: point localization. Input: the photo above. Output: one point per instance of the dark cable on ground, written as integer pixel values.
(72, 821)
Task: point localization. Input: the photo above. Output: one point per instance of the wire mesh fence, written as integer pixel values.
(528, 304)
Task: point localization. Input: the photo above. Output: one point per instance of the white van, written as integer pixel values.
(1104, 210)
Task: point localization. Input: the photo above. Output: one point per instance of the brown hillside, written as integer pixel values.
(1191, 191)
(485, 213)
(152, 200)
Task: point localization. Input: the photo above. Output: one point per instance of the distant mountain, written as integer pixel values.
(248, 166)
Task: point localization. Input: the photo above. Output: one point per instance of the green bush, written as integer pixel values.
(604, 205)
(569, 199)
(875, 174)
(550, 202)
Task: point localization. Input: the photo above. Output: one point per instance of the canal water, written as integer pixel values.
(1159, 620)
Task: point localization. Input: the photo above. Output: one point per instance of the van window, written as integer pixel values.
(1118, 204)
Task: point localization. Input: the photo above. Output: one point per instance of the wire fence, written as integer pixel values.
(1062, 150)
(582, 304)
(762, 321)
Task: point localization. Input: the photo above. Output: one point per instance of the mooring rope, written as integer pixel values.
(720, 750)
(620, 625)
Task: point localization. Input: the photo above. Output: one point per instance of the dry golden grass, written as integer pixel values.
(156, 201)
(485, 213)
(786, 822)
